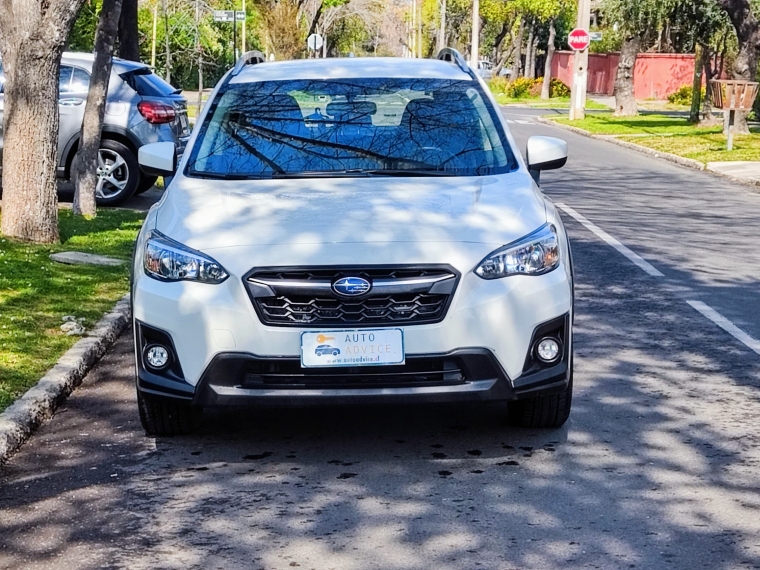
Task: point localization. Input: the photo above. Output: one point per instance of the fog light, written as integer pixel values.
(157, 356)
(547, 350)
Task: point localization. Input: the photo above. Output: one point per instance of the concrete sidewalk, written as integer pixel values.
(744, 171)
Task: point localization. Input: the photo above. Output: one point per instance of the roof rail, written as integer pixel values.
(453, 56)
(248, 58)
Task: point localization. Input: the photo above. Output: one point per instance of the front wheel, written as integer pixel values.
(163, 416)
(118, 173)
(549, 411)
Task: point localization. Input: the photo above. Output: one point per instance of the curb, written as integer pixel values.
(19, 421)
(680, 160)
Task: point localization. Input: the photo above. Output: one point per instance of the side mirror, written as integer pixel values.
(545, 153)
(158, 159)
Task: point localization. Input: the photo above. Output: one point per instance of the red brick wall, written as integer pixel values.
(656, 75)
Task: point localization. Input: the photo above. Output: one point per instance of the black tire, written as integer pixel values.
(335, 353)
(163, 416)
(130, 173)
(549, 411)
(146, 183)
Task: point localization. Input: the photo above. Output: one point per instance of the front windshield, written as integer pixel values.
(351, 126)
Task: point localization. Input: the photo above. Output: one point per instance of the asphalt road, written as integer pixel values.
(658, 467)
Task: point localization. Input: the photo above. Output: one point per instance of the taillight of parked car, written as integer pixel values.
(157, 113)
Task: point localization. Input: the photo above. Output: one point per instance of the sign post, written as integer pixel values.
(233, 16)
(579, 40)
(314, 42)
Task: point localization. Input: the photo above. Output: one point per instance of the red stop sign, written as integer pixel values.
(579, 39)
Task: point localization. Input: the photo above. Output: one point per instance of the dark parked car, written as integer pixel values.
(141, 108)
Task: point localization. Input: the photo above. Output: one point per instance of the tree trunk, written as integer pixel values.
(441, 29)
(503, 61)
(747, 27)
(529, 58)
(546, 90)
(625, 99)
(708, 118)
(129, 37)
(199, 50)
(517, 67)
(32, 38)
(500, 37)
(696, 85)
(86, 161)
(315, 20)
(168, 74)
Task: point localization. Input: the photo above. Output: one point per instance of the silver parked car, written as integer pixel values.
(141, 108)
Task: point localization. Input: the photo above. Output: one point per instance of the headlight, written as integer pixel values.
(535, 254)
(167, 260)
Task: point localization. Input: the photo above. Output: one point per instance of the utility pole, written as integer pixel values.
(442, 31)
(419, 29)
(580, 66)
(413, 30)
(475, 52)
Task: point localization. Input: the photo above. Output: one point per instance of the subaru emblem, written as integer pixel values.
(351, 286)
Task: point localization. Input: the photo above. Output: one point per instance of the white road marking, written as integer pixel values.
(705, 310)
(710, 313)
(599, 232)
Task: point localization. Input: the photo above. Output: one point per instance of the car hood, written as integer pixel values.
(210, 214)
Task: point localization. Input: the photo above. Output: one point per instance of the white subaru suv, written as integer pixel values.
(351, 231)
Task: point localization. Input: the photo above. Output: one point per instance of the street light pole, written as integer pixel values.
(580, 66)
(475, 52)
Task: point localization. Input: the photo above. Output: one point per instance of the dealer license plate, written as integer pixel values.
(367, 347)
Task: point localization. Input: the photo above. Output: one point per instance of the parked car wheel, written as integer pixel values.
(146, 183)
(118, 173)
(160, 416)
(546, 411)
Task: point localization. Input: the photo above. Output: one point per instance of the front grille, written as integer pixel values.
(331, 274)
(302, 297)
(288, 374)
(371, 311)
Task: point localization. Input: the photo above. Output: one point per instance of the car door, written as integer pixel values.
(73, 84)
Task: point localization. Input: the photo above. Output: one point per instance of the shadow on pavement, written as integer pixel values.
(657, 467)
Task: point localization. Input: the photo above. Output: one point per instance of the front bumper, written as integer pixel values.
(221, 345)
(464, 375)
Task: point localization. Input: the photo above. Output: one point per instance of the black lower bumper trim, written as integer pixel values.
(467, 375)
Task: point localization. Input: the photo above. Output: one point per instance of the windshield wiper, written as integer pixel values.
(224, 176)
(362, 172)
(323, 173)
(410, 172)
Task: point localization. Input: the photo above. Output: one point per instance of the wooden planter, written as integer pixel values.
(732, 96)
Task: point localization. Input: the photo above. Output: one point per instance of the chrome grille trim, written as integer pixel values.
(304, 297)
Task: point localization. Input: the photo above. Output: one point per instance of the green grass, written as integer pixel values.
(643, 124)
(704, 147)
(35, 293)
(673, 135)
(554, 103)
